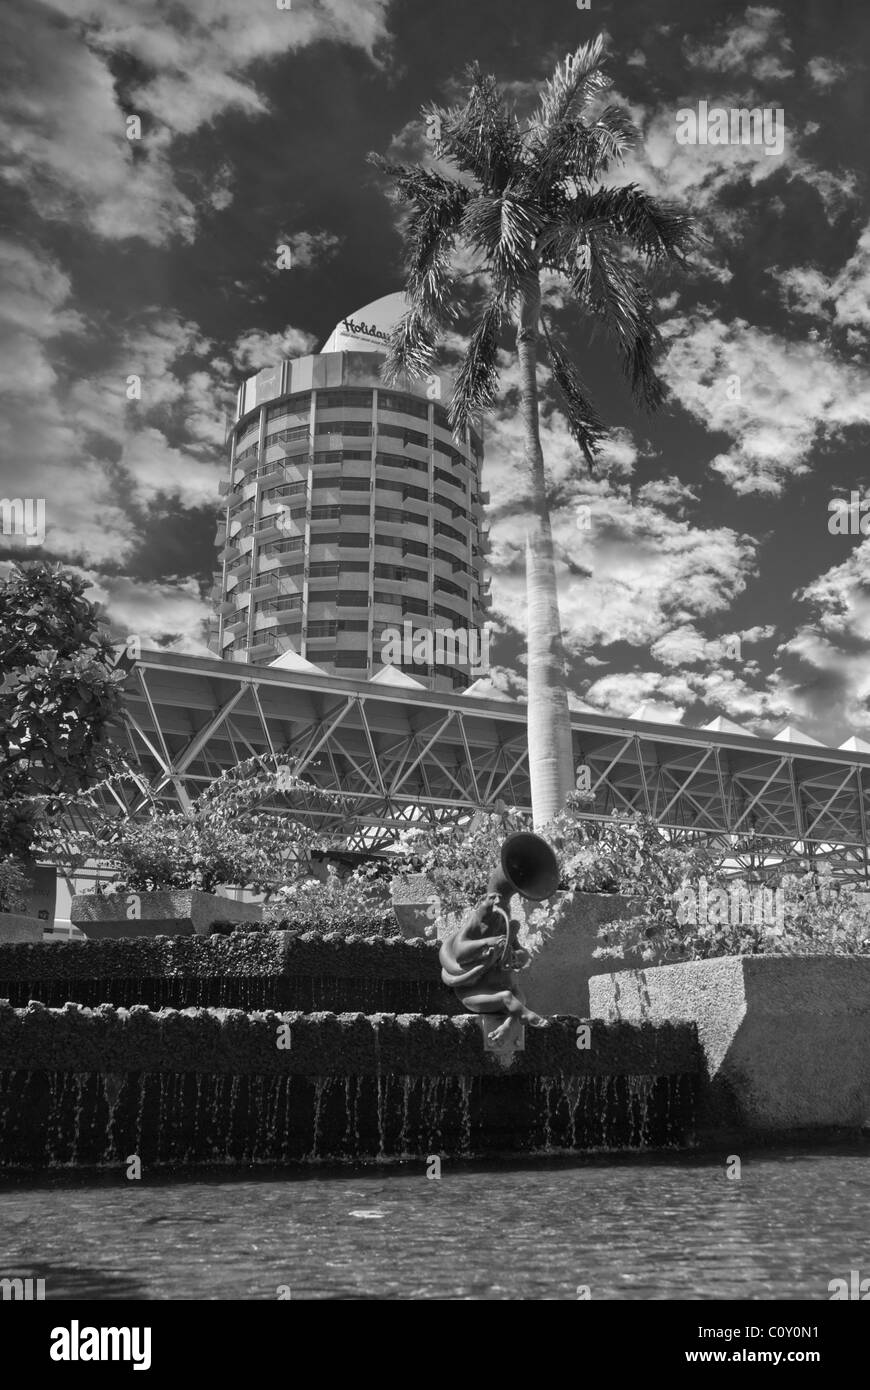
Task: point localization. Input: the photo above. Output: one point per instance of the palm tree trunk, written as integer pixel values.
(549, 721)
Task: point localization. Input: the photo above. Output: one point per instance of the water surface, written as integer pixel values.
(662, 1227)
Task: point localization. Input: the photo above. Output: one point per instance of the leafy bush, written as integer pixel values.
(227, 838)
(13, 885)
(625, 854)
(458, 859)
(823, 915)
(59, 693)
(347, 906)
(170, 851)
(816, 915)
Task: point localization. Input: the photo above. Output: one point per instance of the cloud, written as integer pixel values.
(101, 457)
(622, 693)
(308, 248)
(842, 300)
(629, 569)
(825, 72)
(171, 614)
(746, 48)
(254, 350)
(194, 63)
(826, 663)
(45, 451)
(793, 396)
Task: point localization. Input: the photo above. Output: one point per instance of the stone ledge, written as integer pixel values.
(106, 1039)
(786, 1040)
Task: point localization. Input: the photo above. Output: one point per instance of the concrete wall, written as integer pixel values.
(15, 927)
(557, 981)
(786, 1040)
(164, 913)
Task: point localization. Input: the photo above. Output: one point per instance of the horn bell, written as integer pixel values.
(528, 867)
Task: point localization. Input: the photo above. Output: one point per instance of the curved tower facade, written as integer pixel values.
(352, 533)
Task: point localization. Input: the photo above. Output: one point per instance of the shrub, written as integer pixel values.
(347, 906)
(817, 915)
(59, 694)
(458, 859)
(226, 838)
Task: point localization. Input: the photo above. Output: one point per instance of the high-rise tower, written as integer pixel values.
(352, 515)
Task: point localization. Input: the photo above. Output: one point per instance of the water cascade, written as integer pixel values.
(253, 1079)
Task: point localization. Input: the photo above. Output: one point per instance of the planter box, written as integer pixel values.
(786, 1040)
(412, 898)
(15, 926)
(557, 981)
(180, 912)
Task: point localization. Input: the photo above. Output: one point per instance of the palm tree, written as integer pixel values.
(526, 199)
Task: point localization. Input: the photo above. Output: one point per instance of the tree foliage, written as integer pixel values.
(59, 694)
(524, 198)
(245, 829)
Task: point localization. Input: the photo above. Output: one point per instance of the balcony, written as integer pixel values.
(271, 528)
(266, 586)
(239, 621)
(223, 487)
(243, 512)
(271, 474)
(230, 552)
(264, 645)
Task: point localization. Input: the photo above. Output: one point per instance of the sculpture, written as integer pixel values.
(480, 961)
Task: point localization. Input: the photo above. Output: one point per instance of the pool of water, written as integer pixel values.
(667, 1227)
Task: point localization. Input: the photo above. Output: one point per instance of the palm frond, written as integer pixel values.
(437, 207)
(574, 83)
(657, 229)
(579, 152)
(623, 304)
(477, 381)
(414, 183)
(483, 137)
(504, 229)
(411, 348)
(583, 419)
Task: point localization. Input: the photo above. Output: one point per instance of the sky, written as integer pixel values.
(698, 572)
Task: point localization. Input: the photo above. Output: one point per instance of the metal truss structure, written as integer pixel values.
(396, 754)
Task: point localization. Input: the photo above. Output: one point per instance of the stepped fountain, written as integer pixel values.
(270, 1048)
(279, 1047)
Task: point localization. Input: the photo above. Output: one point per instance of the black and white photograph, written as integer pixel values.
(434, 670)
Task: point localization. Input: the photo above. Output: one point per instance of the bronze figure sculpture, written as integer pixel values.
(480, 962)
